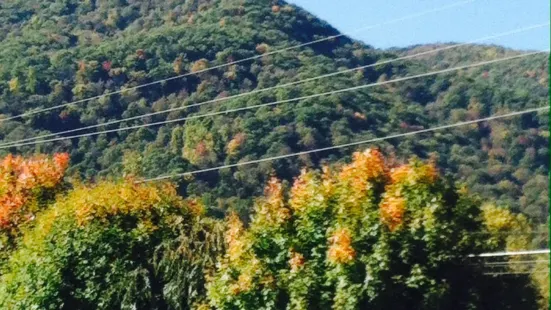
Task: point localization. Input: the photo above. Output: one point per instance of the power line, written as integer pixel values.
(509, 233)
(346, 145)
(401, 19)
(513, 273)
(515, 31)
(277, 102)
(518, 253)
(506, 263)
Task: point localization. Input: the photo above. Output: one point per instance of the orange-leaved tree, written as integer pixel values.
(113, 245)
(27, 185)
(367, 236)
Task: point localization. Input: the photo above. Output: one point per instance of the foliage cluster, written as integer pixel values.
(26, 187)
(363, 235)
(113, 245)
(58, 51)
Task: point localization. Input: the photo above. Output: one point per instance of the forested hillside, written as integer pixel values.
(397, 225)
(54, 52)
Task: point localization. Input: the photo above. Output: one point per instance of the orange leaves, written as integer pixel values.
(19, 180)
(366, 167)
(340, 250)
(392, 211)
(414, 173)
(272, 210)
(61, 161)
(296, 261)
(234, 238)
(400, 174)
(354, 183)
(274, 191)
(235, 143)
(393, 206)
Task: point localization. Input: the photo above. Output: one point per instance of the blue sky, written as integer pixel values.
(459, 24)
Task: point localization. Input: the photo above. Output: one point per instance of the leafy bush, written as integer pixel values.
(27, 186)
(364, 237)
(114, 245)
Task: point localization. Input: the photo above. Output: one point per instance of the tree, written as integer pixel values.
(113, 245)
(27, 185)
(364, 237)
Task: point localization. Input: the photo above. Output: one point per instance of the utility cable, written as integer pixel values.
(340, 146)
(514, 253)
(393, 21)
(515, 31)
(277, 102)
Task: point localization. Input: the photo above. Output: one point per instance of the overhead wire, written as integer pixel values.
(509, 233)
(279, 102)
(517, 253)
(516, 262)
(397, 20)
(513, 253)
(513, 273)
(515, 31)
(346, 145)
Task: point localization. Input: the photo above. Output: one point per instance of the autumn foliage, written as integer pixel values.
(362, 235)
(23, 182)
(121, 242)
(355, 237)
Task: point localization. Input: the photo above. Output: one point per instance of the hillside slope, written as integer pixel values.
(61, 51)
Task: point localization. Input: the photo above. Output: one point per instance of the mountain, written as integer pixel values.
(55, 52)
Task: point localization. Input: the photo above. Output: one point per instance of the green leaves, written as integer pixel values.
(114, 246)
(363, 237)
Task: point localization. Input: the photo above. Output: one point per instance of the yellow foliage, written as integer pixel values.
(504, 226)
(296, 261)
(499, 219)
(14, 85)
(234, 238)
(235, 143)
(199, 65)
(271, 211)
(540, 277)
(340, 250)
(304, 191)
(327, 181)
(178, 65)
(413, 174)
(392, 211)
(107, 199)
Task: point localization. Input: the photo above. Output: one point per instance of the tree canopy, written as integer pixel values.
(62, 51)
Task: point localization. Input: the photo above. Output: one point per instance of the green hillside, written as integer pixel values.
(54, 52)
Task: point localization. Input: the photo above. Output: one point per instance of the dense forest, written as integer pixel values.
(63, 51)
(55, 53)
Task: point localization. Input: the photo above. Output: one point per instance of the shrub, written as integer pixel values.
(364, 237)
(116, 245)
